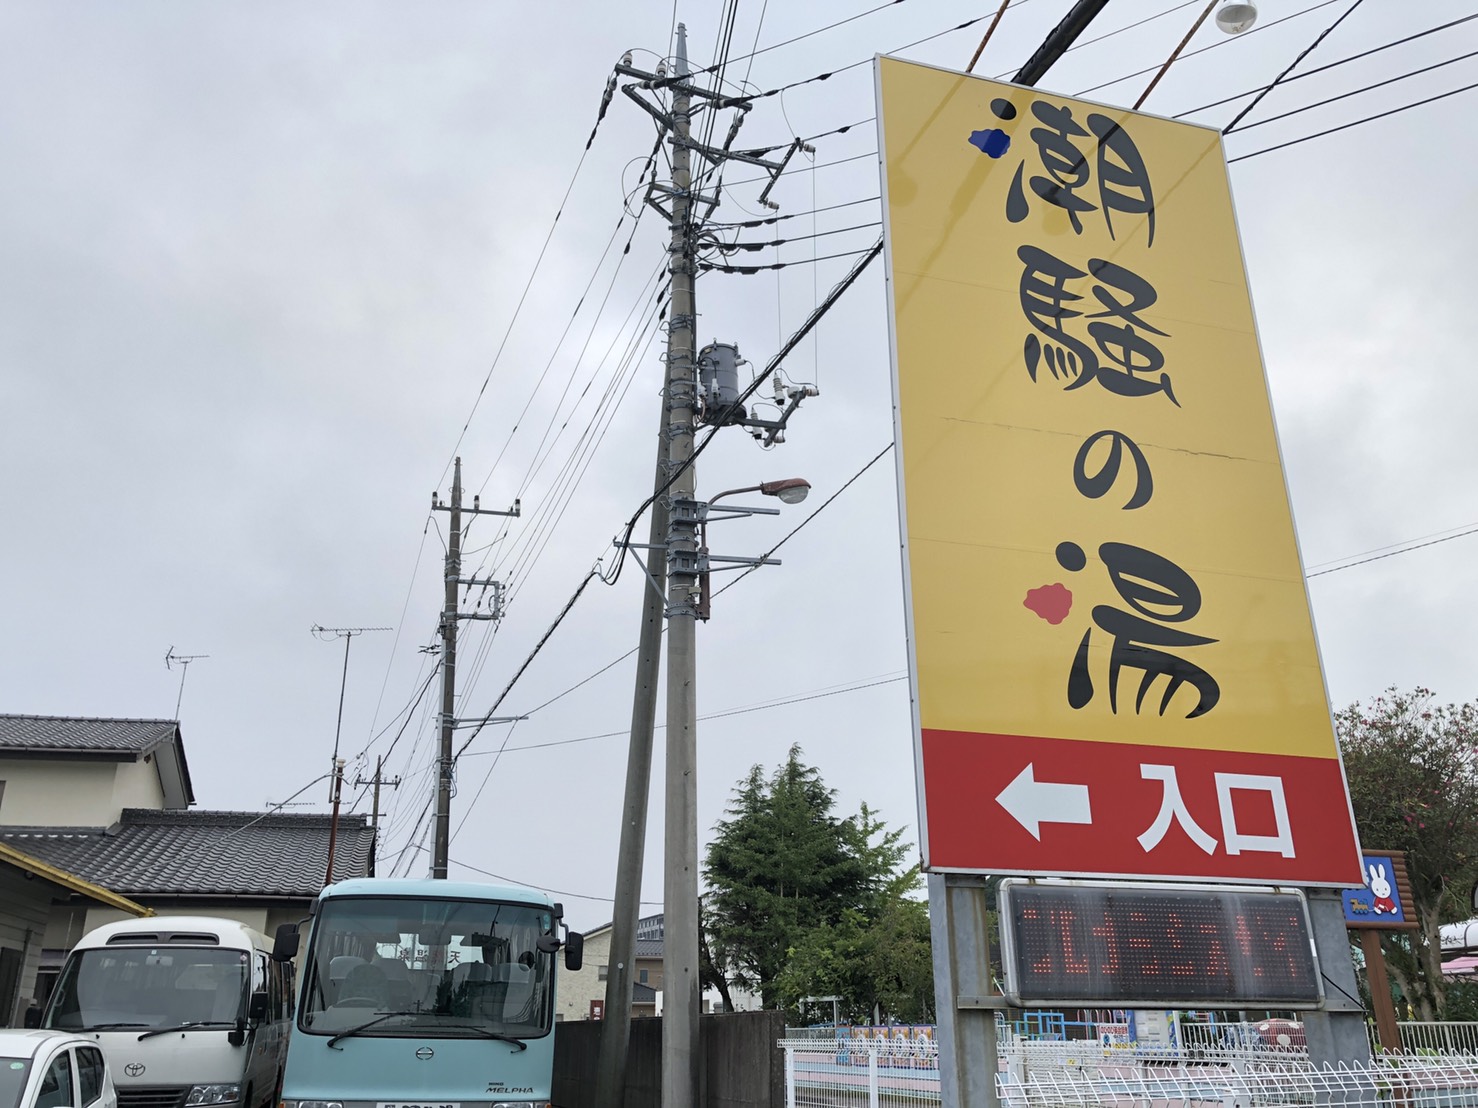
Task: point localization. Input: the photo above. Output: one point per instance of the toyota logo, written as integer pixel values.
(134, 1069)
(425, 1052)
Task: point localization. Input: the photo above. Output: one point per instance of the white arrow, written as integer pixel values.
(1033, 803)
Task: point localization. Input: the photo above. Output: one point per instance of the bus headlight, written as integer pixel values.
(213, 1094)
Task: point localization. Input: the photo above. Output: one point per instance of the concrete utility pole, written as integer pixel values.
(377, 780)
(336, 788)
(680, 987)
(448, 678)
(676, 567)
(452, 578)
(615, 1032)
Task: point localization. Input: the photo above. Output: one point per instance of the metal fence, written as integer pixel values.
(1439, 1038)
(1409, 1083)
(1231, 1066)
(860, 1072)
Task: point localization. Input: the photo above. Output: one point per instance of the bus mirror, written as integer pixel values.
(260, 1006)
(574, 950)
(285, 946)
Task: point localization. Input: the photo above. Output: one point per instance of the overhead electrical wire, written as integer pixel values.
(1356, 92)
(1353, 123)
(1256, 100)
(1333, 65)
(780, 702)
(569, 323)
(1268, 26)
(529, 284)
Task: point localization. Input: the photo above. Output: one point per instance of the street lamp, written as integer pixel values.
(788, 490)
(1236, 16)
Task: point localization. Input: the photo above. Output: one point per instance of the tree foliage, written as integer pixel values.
(802, 902)
(1414, 788)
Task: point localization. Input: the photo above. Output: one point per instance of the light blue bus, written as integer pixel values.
(425, 994)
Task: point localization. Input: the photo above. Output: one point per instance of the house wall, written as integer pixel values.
(25, 904)
(576, 990)
(75, 793)
(137, 786)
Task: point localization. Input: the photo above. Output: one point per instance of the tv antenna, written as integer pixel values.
(171, 659)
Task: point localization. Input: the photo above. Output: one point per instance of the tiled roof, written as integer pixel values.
(202, 853)
(643, 994)
(649, 948)
(34, 734)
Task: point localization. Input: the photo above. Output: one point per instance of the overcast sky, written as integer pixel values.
(258, 260)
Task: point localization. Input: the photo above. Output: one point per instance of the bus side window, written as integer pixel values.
(260, 978)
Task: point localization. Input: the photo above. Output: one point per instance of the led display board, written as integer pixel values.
(1157, 946)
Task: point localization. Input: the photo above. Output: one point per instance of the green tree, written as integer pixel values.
(1414, 788)
(801, 902)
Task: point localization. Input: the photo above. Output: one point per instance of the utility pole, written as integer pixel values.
(336, 788)
(449, 617)
(347, 634)
(680, 987)
(676, 566)
(378, 780)
(448, 678)
(615, 1031)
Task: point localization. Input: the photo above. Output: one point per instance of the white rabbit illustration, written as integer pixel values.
(1381, 887)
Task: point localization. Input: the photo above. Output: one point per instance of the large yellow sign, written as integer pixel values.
(1102, 568)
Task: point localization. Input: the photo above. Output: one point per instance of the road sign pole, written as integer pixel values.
(960, 929)
(1336, 1035)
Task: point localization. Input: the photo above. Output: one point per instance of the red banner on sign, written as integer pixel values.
(1014, 803)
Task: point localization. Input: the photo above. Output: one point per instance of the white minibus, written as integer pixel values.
(191, 1011)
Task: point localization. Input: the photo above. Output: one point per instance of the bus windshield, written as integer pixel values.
(141, 986)
(454, 968)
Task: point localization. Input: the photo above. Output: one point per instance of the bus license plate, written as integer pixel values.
(419, 1104)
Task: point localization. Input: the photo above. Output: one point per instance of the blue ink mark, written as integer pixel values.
(992, 142)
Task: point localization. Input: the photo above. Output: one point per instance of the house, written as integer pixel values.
(69, 771)
(582, 995)
(99, 809)
(261, 869)
(28, 889)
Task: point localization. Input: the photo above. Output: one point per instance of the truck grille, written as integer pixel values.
(153, 1096)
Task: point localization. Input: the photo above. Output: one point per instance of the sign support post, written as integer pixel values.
(968, 1059)
(1336, 1033)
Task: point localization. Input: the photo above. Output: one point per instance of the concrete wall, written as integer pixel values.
(743, 1067)
(76, 793)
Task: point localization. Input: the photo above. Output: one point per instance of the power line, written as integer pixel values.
(1356, 92)
(1331, 65)
(529, 284)
(1232, 126)
(1355, 123)
(1393, 553)
(1268, 26)
(819, 509)
(782, 702)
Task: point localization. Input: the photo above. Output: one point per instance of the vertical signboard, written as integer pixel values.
(1114, 663)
